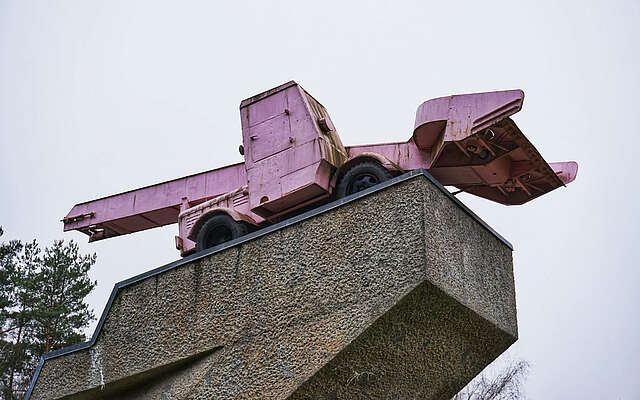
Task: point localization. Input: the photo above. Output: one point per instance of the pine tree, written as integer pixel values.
(13, 362)
(42, 307)
(60, 312)
(8, 256)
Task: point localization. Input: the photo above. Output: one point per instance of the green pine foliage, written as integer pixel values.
(42, 306)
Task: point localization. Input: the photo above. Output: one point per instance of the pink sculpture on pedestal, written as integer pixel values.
(294, 158)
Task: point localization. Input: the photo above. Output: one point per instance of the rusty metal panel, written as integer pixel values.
(264, 181)
(270, 137)
(267, 108)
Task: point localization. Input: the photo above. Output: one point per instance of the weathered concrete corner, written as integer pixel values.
(400, 293)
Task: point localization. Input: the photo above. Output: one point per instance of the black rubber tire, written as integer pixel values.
(361, 176)
(219, 229)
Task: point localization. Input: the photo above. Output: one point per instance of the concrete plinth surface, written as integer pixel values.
(399, 292)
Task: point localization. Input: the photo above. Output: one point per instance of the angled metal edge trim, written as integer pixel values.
(264, 231)
(35, 377)
(255, 98)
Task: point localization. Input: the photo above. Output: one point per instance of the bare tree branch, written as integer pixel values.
(506, 385)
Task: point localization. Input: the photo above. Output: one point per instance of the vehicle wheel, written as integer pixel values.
(361, 176)
(219, 229)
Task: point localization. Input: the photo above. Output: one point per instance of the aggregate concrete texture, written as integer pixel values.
(400, 294)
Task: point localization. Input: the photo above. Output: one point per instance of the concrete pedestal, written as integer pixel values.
(400, 292)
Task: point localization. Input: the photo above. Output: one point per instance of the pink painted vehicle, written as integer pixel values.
(294, 159)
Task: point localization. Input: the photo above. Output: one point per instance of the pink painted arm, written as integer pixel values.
(151, 206)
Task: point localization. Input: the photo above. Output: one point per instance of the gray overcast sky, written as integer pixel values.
(100, 97)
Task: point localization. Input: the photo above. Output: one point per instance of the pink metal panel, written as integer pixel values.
(151, 206)
(261, 135)
(475, 111)
(269, 137)
(303, 117)
(269, 107)
(464, 115)
(264, 180)
(566, 171)
(287, 134)
(403, 156)
(333, 151)
(291, 182)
